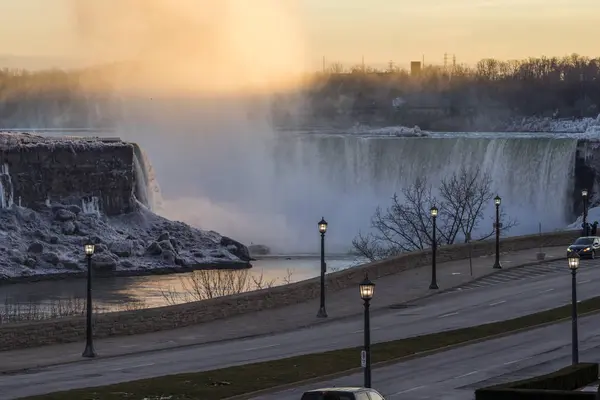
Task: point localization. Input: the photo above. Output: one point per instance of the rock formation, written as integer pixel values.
(58, 193)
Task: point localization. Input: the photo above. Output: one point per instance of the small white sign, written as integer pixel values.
(363, 359)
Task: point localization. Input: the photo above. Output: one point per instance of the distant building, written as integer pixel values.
(415, 67)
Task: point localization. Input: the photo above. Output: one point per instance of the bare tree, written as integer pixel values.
(336, 68)
(406, 225)
(208, 284)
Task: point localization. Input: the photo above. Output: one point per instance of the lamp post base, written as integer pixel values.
(89, 352)
(497, 265)
(322, 313)
(433, 286)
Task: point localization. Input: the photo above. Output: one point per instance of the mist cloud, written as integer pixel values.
(192, 45)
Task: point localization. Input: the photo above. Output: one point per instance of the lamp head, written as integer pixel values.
(89, 248)
(322, 225)
(434, 211)
(497, 200)
(584, 192)
(367, 288)
(573, 261)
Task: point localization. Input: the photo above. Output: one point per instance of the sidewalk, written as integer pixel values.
(395, 289)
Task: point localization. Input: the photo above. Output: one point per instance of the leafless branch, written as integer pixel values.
(406, 224)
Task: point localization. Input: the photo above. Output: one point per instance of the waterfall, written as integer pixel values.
(147, 189)
(6, 187)
(90, 205)
(346, 177)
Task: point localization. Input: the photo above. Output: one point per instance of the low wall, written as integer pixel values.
(31, 334)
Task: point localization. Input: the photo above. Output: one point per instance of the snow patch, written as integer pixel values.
(585, 126)
(593, 215)
(50, 241)
(396, 131)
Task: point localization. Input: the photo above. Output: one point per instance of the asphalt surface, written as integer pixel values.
(516, 274)
(445, 311)
(455, 374)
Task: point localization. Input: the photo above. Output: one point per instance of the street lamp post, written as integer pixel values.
(434, 285)
(573, 265)
(89, 344)
(584, 195)
(497, 201)
(322, 229)
(367, 289)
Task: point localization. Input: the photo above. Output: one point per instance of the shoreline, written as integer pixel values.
(233, 265)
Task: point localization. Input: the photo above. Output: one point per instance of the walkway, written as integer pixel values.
(523, 273)
(391, 290)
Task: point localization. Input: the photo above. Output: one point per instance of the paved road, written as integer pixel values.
(515, 274)
(455, 374)
(438, 313)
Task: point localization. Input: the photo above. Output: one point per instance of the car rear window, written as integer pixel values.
(321, 395)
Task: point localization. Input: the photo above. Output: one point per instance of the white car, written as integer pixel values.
(343, 393)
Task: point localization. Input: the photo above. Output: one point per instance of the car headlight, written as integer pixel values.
(569, 249)
(587, 249)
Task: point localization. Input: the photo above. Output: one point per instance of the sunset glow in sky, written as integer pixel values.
(379, 30)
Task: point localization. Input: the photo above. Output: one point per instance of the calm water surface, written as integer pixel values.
(119, 293)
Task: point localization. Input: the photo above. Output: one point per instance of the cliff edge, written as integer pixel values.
(56, 193)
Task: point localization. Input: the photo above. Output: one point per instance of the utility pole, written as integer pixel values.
(445, 61)
(363, 64)
(323, 64)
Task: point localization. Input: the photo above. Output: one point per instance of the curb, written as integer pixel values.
(288, 386)
(277, 332)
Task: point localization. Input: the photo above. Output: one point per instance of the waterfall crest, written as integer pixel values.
(147, 189)
(346, 177)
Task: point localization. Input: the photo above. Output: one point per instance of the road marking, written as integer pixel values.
(261, 347)
(129, 345)
(448, 315)
(190, 337)
(408, 390)
(586, 281)
(546, 291)
(470, 373)
(498, 302)
(456, 273)
(362, 330)
(516, 361)
(134, 366)
(495, 282)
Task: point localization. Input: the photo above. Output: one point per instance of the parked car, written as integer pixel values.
(343, 393)
(585, 246)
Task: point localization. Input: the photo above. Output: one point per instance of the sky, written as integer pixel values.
(342, 30)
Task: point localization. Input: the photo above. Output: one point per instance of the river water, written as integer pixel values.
(67, 296)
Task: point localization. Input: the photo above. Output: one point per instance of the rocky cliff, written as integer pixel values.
(58, 193)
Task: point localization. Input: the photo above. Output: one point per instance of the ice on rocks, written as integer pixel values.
(6, 187)
(50, 241)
